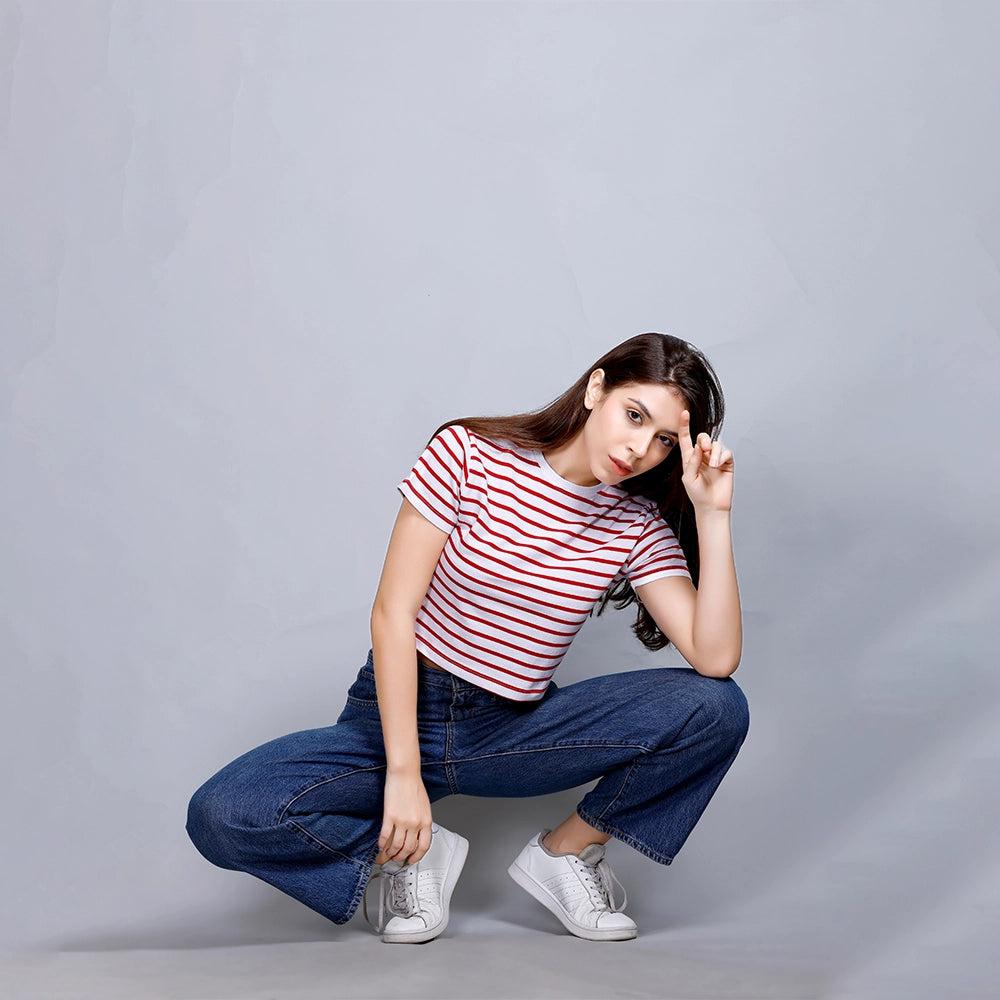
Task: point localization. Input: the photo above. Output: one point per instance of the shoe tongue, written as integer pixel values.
(591, 854)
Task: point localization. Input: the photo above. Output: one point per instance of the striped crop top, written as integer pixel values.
(528, 555)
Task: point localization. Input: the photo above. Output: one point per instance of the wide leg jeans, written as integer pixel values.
(304, 812)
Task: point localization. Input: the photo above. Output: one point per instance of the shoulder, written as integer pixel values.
(451, 434)
(450, 445)
(465, 453)
(492, 453)
(458, 435)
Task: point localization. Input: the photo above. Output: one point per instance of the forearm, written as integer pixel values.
(718, 629)
(394, 651)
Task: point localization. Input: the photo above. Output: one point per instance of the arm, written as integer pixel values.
(414, 548)
(704, 624)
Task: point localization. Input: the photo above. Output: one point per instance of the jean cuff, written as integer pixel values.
(625, 838)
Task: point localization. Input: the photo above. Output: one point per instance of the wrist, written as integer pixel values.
(407, 769)
(708, 514)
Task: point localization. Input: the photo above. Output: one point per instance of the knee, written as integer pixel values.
(725, 707)
(211, 824)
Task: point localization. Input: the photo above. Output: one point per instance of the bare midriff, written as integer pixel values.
(423, 661)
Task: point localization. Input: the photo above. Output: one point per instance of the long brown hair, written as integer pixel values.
(652, 358)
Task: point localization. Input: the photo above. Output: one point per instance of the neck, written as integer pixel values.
(569, 460)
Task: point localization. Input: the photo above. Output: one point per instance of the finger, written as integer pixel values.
(692, 463)
(423, 845)
(704, 442)
(716, 456)
(385, 837)
(396, 844)
(684, 436)
(409, 846)
(726, 461)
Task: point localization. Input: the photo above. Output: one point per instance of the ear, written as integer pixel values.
(595, 389)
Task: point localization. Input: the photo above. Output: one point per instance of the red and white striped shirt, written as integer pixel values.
(528, 556)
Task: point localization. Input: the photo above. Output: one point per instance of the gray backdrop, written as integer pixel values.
(253, 254)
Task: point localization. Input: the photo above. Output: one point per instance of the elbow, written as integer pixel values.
(379, 618)
(719, 667)
(385, 616)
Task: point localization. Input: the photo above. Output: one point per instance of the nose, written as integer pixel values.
(639, 445)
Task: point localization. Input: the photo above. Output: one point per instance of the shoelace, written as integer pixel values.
(601, 879)
(397, 894)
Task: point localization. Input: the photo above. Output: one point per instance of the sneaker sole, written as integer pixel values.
(536, 889)
(451, 880)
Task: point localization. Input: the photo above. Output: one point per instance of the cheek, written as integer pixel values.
(597, 427)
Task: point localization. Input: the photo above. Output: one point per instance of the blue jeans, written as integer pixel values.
(304, 812)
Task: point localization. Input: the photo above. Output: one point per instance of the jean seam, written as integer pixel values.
(364, 869)
(363, 876)
(314, 841)
(549, 747)
(361, 702)
(625, 783)
(449, 743)
(326, 781)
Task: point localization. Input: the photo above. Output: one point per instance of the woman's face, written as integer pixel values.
(631, 428)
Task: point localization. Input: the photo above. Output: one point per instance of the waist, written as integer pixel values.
(424, 662)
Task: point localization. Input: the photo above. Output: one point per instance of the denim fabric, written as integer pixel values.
(304, 812)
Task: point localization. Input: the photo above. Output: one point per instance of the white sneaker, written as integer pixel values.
(577, 888)
(417, 896)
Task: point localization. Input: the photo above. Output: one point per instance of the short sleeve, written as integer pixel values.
(434, 484)
(656, 554)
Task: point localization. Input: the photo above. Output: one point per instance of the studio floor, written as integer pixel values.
(478, 957)
(283, 952)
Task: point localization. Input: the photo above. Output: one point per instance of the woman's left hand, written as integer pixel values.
(708, 469)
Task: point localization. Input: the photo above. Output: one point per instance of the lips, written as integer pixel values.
(620, 467)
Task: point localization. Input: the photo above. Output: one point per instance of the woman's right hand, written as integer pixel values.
(406, 819)
(414, 549)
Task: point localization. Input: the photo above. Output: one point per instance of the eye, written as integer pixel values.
(635, 416)
(666, 442)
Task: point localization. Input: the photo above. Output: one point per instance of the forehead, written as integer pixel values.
(665, 399)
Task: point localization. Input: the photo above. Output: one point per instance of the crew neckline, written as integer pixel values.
(551, 474)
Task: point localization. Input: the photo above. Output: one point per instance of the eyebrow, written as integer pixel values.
(649, 416)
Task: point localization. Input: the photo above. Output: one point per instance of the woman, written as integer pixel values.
(511, 532)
